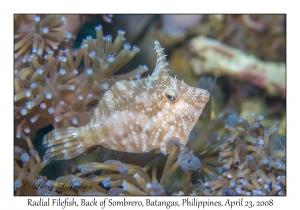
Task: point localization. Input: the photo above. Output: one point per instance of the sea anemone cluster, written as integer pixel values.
(54, 88)
(254, 161)
(59, 84)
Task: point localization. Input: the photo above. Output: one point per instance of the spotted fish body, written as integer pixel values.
(135, 116)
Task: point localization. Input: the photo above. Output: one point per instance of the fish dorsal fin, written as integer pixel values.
(161, 68)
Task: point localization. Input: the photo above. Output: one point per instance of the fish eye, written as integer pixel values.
(172, 94)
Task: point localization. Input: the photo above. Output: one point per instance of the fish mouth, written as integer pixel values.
(204, 94)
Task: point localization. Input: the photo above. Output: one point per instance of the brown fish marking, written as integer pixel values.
(135, 116)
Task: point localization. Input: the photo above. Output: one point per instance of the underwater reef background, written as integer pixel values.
(238, 146)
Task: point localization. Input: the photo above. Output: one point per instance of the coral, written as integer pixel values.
(56, 90)
(219, 59)
(254, 162)
(28, 179)
(126, 179)
(255, 34)
(44, 33)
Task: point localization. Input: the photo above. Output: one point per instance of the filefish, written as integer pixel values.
(135, 116)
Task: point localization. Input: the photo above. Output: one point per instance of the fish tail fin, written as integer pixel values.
(64, 143)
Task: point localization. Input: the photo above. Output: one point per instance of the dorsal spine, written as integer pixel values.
(161, 63)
